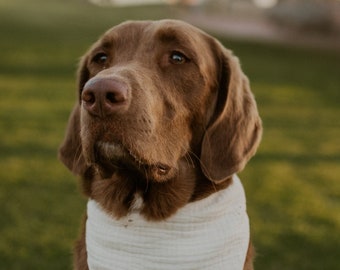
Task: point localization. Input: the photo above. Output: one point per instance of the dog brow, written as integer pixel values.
(171, 37)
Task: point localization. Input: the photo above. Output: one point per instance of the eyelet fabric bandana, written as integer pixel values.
(210, 234)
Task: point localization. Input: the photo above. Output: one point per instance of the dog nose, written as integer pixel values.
(104, 96)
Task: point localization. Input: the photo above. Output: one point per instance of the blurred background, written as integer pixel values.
(289, 49)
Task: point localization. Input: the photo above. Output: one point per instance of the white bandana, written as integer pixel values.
(212, 233)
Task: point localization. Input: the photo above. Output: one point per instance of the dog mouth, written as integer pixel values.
(112, 157)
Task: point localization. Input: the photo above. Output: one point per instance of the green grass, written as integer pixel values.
(292, 185)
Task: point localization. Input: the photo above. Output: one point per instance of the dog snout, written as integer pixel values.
(103, 97)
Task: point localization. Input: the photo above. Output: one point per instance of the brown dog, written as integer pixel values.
(163, 120)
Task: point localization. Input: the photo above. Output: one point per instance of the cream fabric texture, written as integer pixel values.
(212, 233)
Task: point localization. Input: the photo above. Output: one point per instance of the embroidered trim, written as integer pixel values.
(212, 233)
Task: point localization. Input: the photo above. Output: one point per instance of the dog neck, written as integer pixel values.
(212, 233)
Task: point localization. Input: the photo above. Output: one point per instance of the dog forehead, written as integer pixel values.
(142, 33)
(172, 29)
(123, 34)
(142, 40)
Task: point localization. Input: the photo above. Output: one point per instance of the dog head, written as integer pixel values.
(152, 94)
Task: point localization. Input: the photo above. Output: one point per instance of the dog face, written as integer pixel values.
(154, 98)
(157, 97)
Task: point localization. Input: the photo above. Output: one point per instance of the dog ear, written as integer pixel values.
(235, 130)
(70, 151)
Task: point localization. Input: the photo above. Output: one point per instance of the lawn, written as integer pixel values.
(292, 185)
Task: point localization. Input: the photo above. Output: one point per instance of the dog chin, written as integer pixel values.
(111, 150)
(113, 156)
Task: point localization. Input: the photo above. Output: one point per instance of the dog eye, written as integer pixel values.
(178, 58)
(100, 58)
